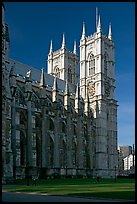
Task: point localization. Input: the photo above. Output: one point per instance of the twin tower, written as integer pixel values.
(97, 83)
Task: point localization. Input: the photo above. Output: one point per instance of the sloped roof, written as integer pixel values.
(22, 69)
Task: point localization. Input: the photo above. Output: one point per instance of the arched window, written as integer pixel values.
(91, 65)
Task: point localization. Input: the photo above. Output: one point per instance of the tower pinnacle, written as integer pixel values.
(83, 32)
(75, 48)
(63, 41)
(110, 32)
(42, 80)
(99, 25)
(51, 47)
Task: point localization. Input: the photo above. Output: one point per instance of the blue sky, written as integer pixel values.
(32, 25)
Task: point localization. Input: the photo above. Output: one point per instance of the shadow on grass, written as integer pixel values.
(126, 195)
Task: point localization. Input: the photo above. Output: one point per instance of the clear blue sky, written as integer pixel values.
(32, 25)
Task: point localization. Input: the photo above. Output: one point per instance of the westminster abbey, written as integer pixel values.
(56, 124)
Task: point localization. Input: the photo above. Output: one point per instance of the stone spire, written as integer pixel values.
(83, 32)
(42, 85)
(42, 80)
(99, 25)
(110, 32)
(55, 90)
(63, 41)
(77, 99)
(66, 96)
(51, 48)
(75, 48)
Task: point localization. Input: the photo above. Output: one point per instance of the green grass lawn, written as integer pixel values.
(106, 188)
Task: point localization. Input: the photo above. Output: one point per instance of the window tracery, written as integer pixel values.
(91, 65)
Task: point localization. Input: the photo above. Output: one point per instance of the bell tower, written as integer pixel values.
(63, 63)
(97, 79)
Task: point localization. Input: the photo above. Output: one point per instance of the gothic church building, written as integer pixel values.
(53, 126)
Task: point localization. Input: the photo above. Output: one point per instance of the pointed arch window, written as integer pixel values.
(91, 65)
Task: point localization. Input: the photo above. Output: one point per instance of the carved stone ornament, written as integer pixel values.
(91, 89)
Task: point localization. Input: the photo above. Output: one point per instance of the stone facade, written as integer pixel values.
(53, 127)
